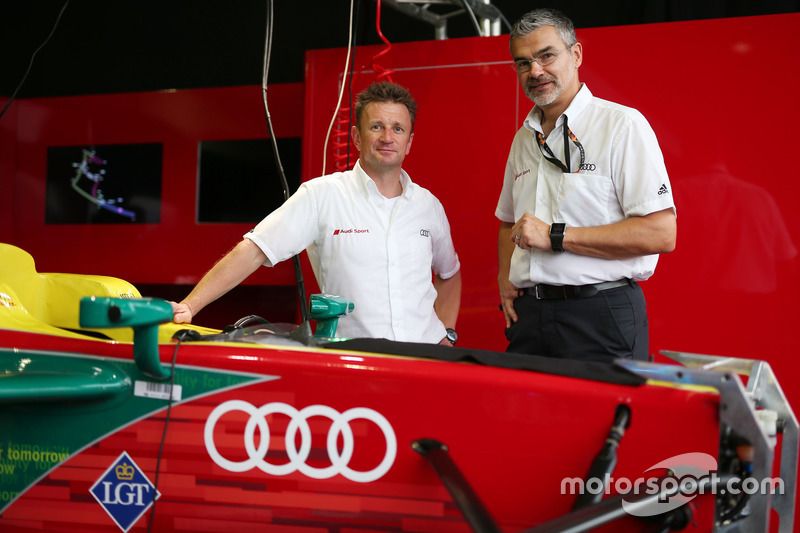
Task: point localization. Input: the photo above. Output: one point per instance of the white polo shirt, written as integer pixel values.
(623, 175)
(376, 252)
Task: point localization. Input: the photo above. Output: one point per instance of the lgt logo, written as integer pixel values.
(124, 492)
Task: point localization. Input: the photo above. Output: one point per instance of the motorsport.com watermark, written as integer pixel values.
(692, 474)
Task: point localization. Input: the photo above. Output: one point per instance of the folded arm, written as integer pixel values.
(655, 233)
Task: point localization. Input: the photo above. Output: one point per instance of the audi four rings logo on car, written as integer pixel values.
(297, 458)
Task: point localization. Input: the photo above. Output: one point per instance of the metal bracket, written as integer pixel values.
(487, 16)
(738, 407)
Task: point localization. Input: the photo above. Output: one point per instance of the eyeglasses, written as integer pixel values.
(522, 66)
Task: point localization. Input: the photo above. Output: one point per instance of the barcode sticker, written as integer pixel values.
(160, 391)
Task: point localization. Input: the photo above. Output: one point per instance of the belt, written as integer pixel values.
(567, 292)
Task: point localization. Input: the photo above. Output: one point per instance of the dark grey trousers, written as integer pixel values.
(611, 324)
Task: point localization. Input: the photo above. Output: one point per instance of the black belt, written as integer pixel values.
(567, 292)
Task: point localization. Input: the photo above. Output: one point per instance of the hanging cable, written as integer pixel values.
(341, 141)
(171, 393)
(30, 64)
(335, 119)
(381, 72)
(341, 123)
(351, 78)
(472, 16)
(298, 271)
(341, 136)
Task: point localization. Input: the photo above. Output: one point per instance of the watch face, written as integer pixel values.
(451, 335)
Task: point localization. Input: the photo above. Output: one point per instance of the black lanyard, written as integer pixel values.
(550, 156)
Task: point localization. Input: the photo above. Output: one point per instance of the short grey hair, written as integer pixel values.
(538, 18)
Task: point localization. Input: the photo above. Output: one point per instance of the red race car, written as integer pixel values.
(115, 418)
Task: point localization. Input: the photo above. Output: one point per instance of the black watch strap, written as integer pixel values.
(451, 335)
(557, 230)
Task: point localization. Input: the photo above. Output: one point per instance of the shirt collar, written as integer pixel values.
(534, 119)
(369, 188)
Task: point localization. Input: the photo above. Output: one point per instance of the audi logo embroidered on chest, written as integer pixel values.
(298, 457)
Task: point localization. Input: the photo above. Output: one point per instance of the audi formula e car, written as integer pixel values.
(115, 418)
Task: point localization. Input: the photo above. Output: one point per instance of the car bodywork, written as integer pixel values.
(114, 418)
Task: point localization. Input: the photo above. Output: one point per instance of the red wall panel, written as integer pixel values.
(722, 101)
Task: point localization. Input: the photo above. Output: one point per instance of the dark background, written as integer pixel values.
(109, 46)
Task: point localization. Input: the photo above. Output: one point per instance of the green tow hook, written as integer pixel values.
(326, 310)
(142, 314)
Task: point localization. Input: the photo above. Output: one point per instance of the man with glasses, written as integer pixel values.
(585, 209)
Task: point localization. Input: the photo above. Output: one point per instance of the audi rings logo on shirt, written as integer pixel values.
(588, 166)
(297, 457)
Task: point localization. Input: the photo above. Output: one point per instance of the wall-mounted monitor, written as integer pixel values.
(238, 180)
(105, 184)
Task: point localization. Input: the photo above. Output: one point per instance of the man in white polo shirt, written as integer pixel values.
(585, 209)
(372, 235)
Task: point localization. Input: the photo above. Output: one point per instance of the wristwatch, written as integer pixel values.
(451, 335)
(557, 230)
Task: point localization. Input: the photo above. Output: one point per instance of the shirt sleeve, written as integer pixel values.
(445, 259)
(505, 204)
(643, 184)
(290, 229)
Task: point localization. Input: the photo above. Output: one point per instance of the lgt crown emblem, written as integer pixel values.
(124, 492)
(124, 472)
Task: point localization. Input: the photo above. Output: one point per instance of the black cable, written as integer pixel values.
(164, 433)
(25, 77)
(298, 271)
